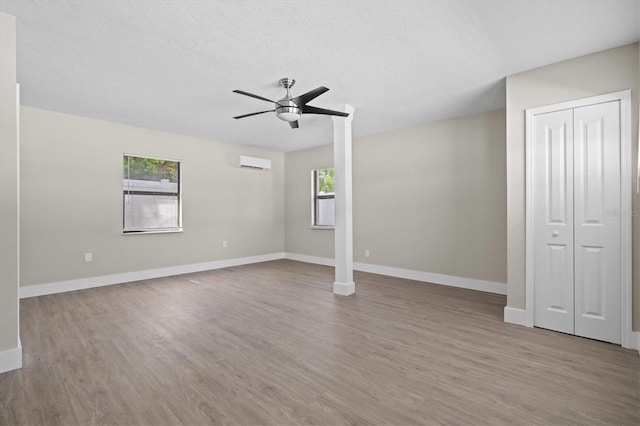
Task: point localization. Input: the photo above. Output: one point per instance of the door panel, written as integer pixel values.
(553, 221)
(559, 261)
(591, 169)
(598, 278)
(556, 175)
(591, 304)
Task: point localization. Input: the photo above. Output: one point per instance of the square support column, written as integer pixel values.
(10, 349)
(344, 284)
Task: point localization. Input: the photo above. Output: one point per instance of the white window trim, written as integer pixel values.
(313, 201)
(152, 231)
(178, 229)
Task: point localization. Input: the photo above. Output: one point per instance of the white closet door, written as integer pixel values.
(597, 221)
(553, 220)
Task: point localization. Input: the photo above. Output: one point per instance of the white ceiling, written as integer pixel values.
(172, 65)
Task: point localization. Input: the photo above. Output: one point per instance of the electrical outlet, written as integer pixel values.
(367, 253)
(224, 244)
(88, 257)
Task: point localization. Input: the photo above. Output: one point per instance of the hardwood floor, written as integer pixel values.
(270, 344)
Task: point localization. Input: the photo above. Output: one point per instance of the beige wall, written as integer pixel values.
(72, 200)
(299, 237)
(429, 198)
(9, 308)
(603, 72)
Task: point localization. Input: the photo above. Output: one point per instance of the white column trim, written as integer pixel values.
(11, 359)
(344, 289)
(342, 164)
(516, 316)
(18, 239)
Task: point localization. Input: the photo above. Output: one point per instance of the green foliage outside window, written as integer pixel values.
(140, 168)
(326, 181)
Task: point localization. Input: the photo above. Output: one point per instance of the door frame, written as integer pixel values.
(628, 338)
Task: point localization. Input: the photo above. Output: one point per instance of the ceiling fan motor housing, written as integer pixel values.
(287, 110)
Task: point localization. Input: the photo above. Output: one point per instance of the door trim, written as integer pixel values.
(628, 338)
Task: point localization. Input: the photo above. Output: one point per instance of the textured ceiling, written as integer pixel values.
(172, 65)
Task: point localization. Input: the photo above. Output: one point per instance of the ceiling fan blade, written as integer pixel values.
(254, 113)
(304, 98)
(308, 109)
(242, 92)
(293, 124)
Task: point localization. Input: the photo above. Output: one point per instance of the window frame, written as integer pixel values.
(315, 196)
(178, 195)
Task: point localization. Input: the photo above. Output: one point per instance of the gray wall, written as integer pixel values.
(72, 200)
(429, 198)
(9, 260)
(603, 72)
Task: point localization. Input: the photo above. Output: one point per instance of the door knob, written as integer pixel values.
(555, 233)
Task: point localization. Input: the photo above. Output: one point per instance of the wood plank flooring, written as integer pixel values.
(270, 344)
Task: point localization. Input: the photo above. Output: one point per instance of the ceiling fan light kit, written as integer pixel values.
(286, 109)
(290, 109)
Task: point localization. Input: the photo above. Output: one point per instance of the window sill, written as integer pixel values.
(322, 227)
(153, 231)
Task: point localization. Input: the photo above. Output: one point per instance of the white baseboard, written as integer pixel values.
(84, 283)
(310, 259)
(633, 341)
(344, 289)
(104, 280)
(516, 316)
(630, 339)
(11, 359)
(429, 277)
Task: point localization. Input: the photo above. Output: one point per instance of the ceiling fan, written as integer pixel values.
(289, 108)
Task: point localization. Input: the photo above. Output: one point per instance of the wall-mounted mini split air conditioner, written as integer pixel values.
(244, 161)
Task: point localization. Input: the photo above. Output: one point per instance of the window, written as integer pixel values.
(324, 198)
(151, 194)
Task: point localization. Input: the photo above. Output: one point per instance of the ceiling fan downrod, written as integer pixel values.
(287, 83)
